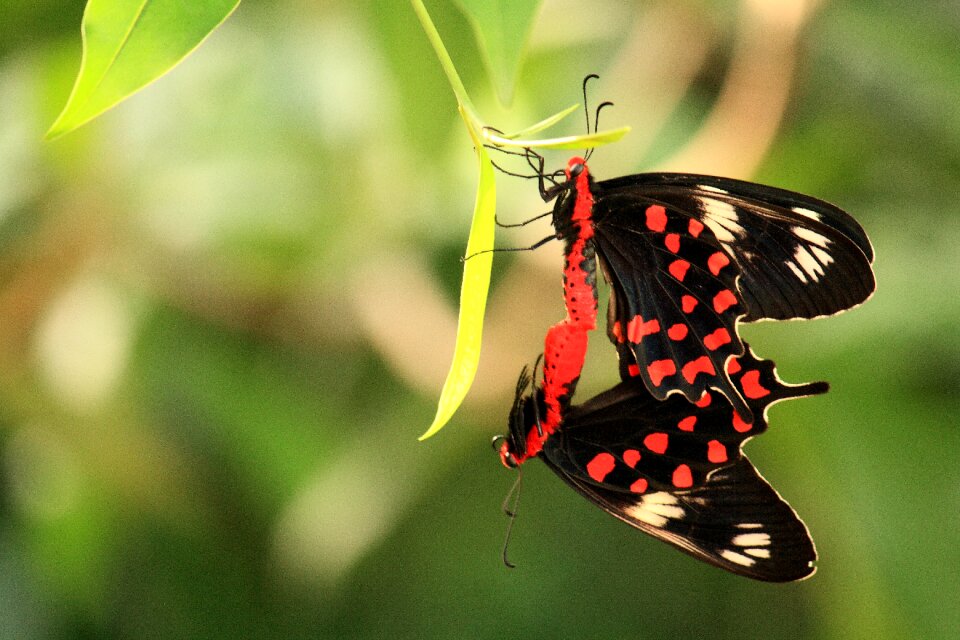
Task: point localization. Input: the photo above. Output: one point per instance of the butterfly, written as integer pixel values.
(687, 258)
(676, 469)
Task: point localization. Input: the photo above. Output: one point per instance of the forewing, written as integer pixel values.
(799, 257)
(674, 306)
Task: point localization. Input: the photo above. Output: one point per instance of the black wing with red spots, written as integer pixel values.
(626, 440)
(673, 305)
(675, 470)
(798, 257)
(735, 521)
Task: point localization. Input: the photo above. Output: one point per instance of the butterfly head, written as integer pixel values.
(503, 445)
(576, 166)
(525, 414)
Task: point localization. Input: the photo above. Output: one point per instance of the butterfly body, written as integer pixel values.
(565, 345)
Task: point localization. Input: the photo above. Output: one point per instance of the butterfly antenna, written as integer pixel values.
(596, 115)
(511, 513)
(586, 113)
(586, 109)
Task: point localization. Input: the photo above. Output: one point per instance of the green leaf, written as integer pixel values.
(565, 142)
(546, 123)
(476, 270)
(127, 44)
(473, 292)
(501, 28)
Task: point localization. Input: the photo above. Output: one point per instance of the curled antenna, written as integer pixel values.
(586, 109)
(586, 113)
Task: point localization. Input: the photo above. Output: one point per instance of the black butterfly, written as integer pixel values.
(689, 256)
(675, 470)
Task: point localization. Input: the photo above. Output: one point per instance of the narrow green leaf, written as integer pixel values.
(501, 28)
(473, 292)
(127, 44)
(452, 76)
(546, 123)
(567, 142)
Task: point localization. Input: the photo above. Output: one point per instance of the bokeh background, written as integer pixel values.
(228, 305)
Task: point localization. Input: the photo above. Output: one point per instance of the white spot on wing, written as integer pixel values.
(751, 540)
(758, 553)
(801, 276)
(737, 558)
(722, 219)
(810, 236)
(824, 257)
(808, 213)
(749, 525)
(707, 187)
(656, 509)
(809, 264)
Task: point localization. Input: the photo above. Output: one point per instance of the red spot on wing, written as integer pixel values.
(717, 261)
(687, 423)
(695, 227)
(724, 300)
(639, 486)
(660, 369)
(733, 366)
(672, 242)
(617, 331)
(717, 339)
(678, 269)
(704, 400)
(716, 452)
(751, 385)
(656, 442)
(601, 465)
(637, 328)
(739, 425)
(700, 365)
(688, 303)
(633, 370)
(656, 218)
(677, 332)
(682, 478)
(631, 457)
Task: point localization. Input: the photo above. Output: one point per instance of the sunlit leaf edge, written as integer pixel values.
(473, 294)
(69, 120)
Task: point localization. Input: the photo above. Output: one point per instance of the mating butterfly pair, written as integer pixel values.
(687, 258)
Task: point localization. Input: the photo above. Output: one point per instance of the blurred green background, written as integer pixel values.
(228, 305)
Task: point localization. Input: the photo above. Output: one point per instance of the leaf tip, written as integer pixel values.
(438, 423)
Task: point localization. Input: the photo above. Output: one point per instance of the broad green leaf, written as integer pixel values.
(502, 28)
(473, 293)
(127, 44)
(566, 142)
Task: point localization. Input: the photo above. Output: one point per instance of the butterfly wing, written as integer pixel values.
(735, 521)
(674, 304)
(799, 257)
(676, 471)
